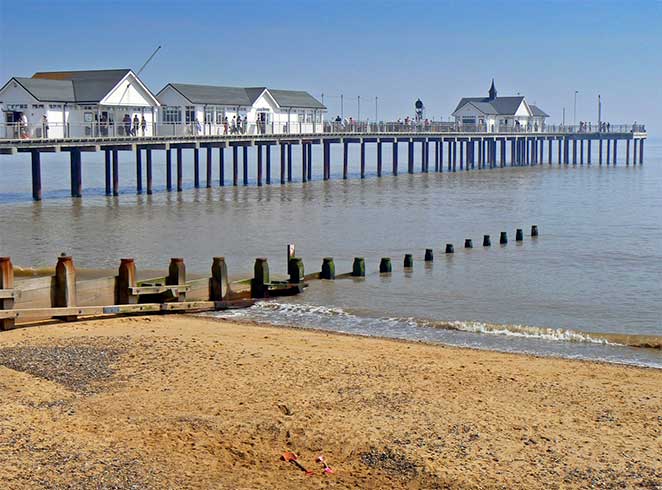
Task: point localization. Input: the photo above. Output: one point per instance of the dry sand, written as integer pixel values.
(188, 402)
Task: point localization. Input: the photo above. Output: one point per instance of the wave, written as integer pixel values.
(301, 314)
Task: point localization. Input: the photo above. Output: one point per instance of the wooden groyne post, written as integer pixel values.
(6, 291)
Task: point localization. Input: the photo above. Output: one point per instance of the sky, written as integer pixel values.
(395, 51)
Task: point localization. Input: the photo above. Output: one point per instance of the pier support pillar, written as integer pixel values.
(221, 167)
(107, 165)
(180, 171)
(436, 156)
(116, 173)
(168, 169)
(148, 168)
(196, 168)
(258, 148)
(345, 159)
(608, 151)
(139, 171)
(267, 150)
(641, 151)
(441, 155)
(461, 155)
(634, 152)
(549, 152)
(379, 159)
(615, 153)
(410, 156)
(588, 151)
(325, 160)
(76, 170)
(454, 154)
(235, 165)
(310, 161)
(304, 162)
(574, 152)
(627, 152)
(210, 161)
(245, 155)
(282, 163)
(36, 175)
(289, 162)
(395, 157)
(600, 151)
(362, 159)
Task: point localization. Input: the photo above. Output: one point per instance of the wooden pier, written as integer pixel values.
(452, 151)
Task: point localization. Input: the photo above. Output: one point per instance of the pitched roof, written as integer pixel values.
(537, 111)
(240, 96)
(88, 85)
(295, 98)
(209, 94)
(506, 106)
(48, 90)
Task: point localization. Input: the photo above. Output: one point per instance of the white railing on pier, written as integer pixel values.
(20, 131)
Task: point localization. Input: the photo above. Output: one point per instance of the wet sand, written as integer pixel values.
(190, 402)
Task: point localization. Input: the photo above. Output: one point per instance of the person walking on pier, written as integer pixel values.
(225, 125)
(143, 125)
(44, 126)
(244, 124)
(136, 125)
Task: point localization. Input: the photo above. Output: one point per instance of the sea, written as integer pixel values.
(588, 287)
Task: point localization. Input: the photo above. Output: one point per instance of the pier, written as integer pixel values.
(442, 148)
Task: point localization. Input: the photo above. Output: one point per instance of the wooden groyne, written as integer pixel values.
(450, 152)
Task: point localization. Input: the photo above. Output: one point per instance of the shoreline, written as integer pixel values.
(257, 323)
(180, 401)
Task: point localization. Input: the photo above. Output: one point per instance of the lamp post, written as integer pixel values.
(563, 123)
(376, 111)
(574, 109)
(342, 108)
(358, 116)
(599, 113)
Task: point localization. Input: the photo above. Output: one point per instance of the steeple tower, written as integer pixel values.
(492, 93)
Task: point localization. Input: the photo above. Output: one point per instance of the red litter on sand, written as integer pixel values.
(290, 457)
(327, 468)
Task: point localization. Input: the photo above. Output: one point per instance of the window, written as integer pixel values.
(302, 116)
(209, 115)
(319, 117)
(468, 120)
(55, 106)
(37, 106)
(219, 115)
(190, 114)
(172, 114)
(17, 106)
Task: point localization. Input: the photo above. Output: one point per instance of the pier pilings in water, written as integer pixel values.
(470, 151)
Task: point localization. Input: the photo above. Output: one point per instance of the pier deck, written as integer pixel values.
(453, 150)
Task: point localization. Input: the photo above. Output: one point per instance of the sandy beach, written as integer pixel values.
(184, 402)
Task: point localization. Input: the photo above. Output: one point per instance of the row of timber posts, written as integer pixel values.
(63, 290)
(524, 150)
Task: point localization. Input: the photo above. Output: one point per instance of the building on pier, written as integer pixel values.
(499, 114)
(75, 104)
(204, 109)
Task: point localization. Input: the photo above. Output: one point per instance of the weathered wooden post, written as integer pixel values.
(76, 173)
(282, 163)
(358, 267)
(519, 235)
(108, 166)
(385, 265)
(429, 255)
(139, 170)
(345, 159)
(116, 173)
(409, 261)
(126, 279)
(295, 270)
(534, 230)
(328, 269)
(289, 162)
(267, 152)
(235, 165)
(410, 156)
(449, 248)
(627, 152)
(260, 281)
(468, 243)
(486, 241)
(177, 276)
(196, 167)
(379, 158)
(362, 158)
(6, 291)
(258, 148)
(641, 151)
(503, 238)
(304, 162)
(245, 156)
(64, 293)
(218, 282)
(395, 156)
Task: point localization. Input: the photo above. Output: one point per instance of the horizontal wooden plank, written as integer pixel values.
(7, 294)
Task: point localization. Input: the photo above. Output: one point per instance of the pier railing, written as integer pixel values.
(59, 130)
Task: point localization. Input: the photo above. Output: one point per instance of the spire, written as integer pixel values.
(492, 93)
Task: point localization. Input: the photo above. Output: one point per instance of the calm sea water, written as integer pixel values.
(596, 267)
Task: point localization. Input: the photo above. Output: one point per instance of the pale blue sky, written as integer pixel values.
(398, 51)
